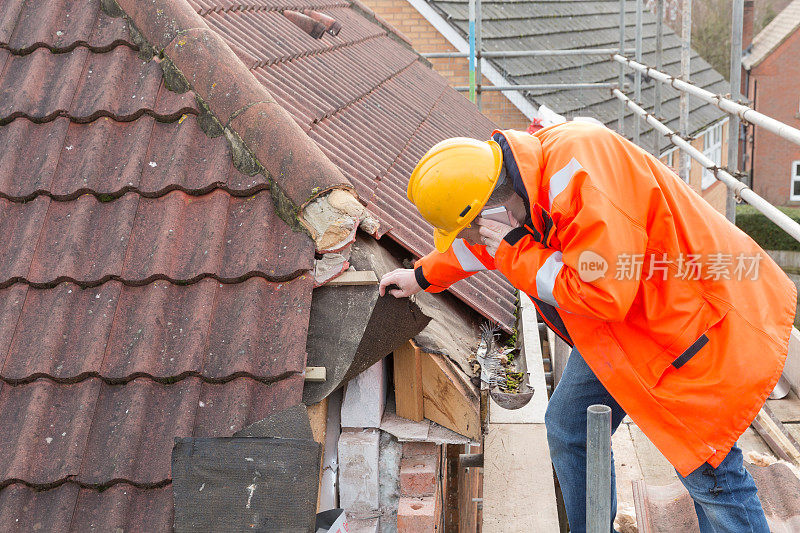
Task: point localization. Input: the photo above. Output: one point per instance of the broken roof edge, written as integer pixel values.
(196, 57)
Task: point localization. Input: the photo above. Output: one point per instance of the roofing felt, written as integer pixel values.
(148, 288)
(563, 24)
(773, 35)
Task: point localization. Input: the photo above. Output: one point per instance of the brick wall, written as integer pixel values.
(777, 96)
(425, 38)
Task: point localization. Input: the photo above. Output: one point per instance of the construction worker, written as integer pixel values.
(674, 315)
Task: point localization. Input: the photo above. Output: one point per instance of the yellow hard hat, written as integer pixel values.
(451, 184)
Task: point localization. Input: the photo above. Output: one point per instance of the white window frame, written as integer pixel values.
(712, 148)
(794, 177)
(669, 157)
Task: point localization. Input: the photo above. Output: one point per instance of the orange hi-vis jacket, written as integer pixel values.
(682, 317)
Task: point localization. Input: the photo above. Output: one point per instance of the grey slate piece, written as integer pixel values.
(561, 24)
(237, 484)
(291, 423)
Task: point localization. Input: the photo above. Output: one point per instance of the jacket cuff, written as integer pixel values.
(514, 236)
(421, 281)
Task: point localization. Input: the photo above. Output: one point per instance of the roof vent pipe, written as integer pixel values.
(307, 24)
(331, 25)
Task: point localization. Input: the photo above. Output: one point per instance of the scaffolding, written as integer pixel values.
(739, 114)
(598, 500)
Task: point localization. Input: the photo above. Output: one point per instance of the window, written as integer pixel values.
(712, 148)
(794, 192)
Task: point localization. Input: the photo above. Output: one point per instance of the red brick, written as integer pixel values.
(411, 449)
(416, 515)
(425, 38)
(418, 475)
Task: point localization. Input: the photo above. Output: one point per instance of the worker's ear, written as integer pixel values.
(471, 234)
(516, 208)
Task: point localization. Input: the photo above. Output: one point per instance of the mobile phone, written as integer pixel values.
(498, 214)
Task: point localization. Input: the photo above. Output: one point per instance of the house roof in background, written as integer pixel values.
(148, 288)
(563, 24)
(773, 34)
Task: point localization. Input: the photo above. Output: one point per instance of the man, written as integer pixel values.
(676, 317)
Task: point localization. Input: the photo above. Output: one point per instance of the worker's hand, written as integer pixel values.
(404, 278)
(492, 233)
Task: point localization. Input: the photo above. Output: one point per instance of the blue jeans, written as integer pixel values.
(724, 497)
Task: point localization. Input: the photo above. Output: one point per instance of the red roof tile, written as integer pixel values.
(95, 434)
(160, 330)
(121, 507)
(148, 288)
(63, 158)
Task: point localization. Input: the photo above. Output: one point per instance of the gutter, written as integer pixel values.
(453, 37)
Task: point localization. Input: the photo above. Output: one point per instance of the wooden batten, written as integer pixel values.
(318, 418)
(354, 277)
(448, 398)
(408, 382)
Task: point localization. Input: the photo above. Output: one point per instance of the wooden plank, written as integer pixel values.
(452, 487)
(470, 482)
(318, 417)
(560, 355)
(787, 409)
(518, 489)
(408, 382)
(447, 398)
(776, 435)
(655, 467)
(354, 277)
(316, 374)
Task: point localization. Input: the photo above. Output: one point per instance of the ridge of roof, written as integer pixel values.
(262, 134)
(773, 35)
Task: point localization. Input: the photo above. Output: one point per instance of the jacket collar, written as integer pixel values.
(524, 162)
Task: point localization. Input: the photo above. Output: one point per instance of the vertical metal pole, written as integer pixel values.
(659, 67)
(736, 87)
(637, 123)
(686, 51)
(479, 51)
(598, 469)
(472, 50)
(621, 120)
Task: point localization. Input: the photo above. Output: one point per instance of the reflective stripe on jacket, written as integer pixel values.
(646, 279)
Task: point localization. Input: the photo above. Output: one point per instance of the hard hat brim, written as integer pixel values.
(442, 240)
